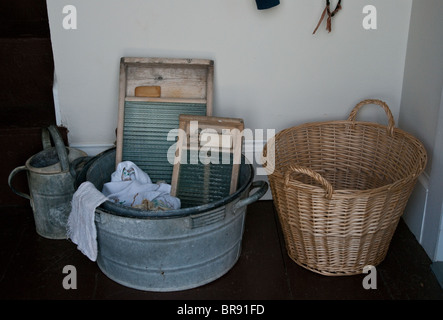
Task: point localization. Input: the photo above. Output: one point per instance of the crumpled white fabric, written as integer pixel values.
(130, 186)
(81, 226)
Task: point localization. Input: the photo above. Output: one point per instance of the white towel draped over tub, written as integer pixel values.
(81, 225)
(129, 186)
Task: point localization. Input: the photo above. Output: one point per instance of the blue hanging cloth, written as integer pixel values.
(266, 4)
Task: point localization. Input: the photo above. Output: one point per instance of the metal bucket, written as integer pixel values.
(51, 176)
(172, 250)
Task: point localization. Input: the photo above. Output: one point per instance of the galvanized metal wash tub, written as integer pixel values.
(172, 250)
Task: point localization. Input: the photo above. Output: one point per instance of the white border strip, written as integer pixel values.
(92, 149)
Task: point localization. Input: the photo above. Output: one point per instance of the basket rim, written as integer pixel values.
(345, 122)
(348, 193)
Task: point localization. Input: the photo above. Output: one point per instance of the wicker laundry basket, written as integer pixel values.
(340, 188)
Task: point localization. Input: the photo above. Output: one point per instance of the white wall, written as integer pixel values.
(422, 114)
(269, 68)
(423, 78)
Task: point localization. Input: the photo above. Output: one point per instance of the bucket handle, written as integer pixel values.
(391, 121)
(11, 176)
(316, 176)
(263, 188)
(59, 145)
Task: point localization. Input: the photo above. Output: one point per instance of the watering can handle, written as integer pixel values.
(11, 176)
(59, 145)
(263, 188)
(46, 139)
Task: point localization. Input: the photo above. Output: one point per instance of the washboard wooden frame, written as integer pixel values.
(226, 133)
(152, 94)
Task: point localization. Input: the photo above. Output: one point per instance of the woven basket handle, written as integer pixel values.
(299, 169)
(391, 122)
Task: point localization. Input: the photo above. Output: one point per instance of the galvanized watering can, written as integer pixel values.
(51, 175)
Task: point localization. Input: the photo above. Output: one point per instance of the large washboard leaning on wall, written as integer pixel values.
(153, 94)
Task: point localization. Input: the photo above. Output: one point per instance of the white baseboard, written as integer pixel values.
(252, 149)
(92, 149)
(415, 211)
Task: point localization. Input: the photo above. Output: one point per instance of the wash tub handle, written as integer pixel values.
(263, 188)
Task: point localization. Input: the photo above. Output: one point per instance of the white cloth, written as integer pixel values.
(131, 186)
(128, 171)
(81, 225)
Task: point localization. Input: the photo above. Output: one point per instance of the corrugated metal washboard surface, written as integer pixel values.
(199, 183)
(145, 134)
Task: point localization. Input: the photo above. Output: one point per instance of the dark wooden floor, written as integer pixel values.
(31, 267)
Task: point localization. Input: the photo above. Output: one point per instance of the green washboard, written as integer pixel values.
(145, 132)
(199, 183)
